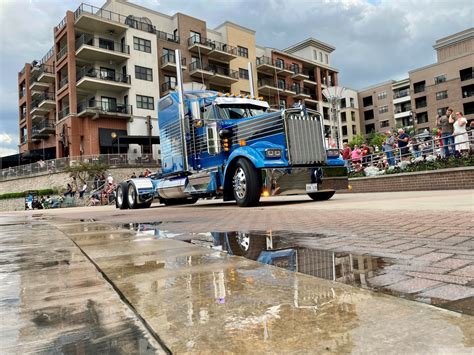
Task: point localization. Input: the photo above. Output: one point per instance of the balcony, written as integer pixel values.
(63, 113)
(400, 114)
(92, 79)
(167, 37)
(199, 45)
(43, 104)
(61, 54)
(37, 117)
(43, 130)
(168, 62)
(286, 89)
(198, 70)
(92, 48)
(298, 74)
(43, 74)
(95, 19)
(268, 87)
(97, 109)
(266, 65)
(168, 87)
(223, 76)
(283, 69)
(222, 52)
(301, 94)
(62, 83)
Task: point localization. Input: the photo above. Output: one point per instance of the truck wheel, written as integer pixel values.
(246, 184)
(132, 196)
(122, 201)
(246, 244)
(322, 195)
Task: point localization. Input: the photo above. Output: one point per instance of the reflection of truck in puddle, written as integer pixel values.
(231, 147)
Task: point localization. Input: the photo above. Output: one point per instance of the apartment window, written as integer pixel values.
(106, 44)
(420, 102)
(243, 73)
(175, 34)
(441, 111)
(440, 79)
(243, 52)
(195, 37)
(419, 86)
(108, 104)
(145, 102)
(383, 109)
(422, 117)
(466, 74)
(171, 80)
(353, 116)
(295, 68)
(344, 130)
(281, 84)
(315, 54)
(368, 115)
(107, 73)
(143, 73)
(367, 101)
(280, 63)
(343, 117)
(352, 102)
(327, 58)
(23, 111)
(142, 45)
(321, 57)
(369, 128)
(166, 51)
(441, 95)
(384, 123)
(354, 130)
(382, 95)
(343, 103)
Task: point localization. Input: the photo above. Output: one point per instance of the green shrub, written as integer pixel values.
(43, 192)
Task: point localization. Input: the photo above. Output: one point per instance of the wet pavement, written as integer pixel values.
(53, 300)
(197, 298)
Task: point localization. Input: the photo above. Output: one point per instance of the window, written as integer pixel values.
(441, 95)
(419, 86)
(441, 111)
(344, 130)
(195, 37)
(243, 52)
(280, 63)
(141, 44)
(343, 103)
(422, 117)
(420, 102)
(466, 74)
(383, 109)
(321, 57)
(143, 73)
(108, 104)
(384, 123)
(295, 68)
(382, 95)
(343, 117)
(354, 130)
(175, 34)
(145, 102)
(352, 102)
(369, 128)
(440, 79)
(243, 73)
(106, 44)
(107, 74)
(281, 84)
(327, 58)
(315, 54)
(368, 115)
(353, 116)
(165, 103)
(367, 101)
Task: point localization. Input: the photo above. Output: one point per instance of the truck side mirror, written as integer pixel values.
(196, 111)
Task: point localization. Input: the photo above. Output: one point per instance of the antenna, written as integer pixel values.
(334, 94)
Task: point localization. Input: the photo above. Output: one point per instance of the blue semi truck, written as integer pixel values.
(216, 145)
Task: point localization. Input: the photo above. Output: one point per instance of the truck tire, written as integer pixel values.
(145, 205)
(322, 195)
(246, 184)
(121, 201)
(132, 197)
(179, 201)
(246, 244)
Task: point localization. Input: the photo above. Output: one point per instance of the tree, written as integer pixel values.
(86, 171)
(376, 139)
(357, 139)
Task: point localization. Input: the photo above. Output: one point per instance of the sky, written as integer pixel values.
(375, 40)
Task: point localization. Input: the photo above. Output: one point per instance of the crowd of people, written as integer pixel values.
(452, 138)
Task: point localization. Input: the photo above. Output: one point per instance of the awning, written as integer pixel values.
(140, 140)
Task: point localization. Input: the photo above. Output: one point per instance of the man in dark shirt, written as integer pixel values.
(402, 142)
(445, 123)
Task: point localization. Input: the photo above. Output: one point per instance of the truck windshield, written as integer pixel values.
(234, 111)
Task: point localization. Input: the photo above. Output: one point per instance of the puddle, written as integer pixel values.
(284, 250)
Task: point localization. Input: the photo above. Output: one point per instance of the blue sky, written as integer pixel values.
(375, 40)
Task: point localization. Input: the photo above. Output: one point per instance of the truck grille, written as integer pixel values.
(305, 138)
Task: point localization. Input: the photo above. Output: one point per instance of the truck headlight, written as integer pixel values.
(273, 153)
(332, 153)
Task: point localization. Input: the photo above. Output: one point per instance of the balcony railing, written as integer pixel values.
(167, 36)
(401, 93)
(265, 60)
(61, 24)
(43, 68)
(198, 66)
(47, 56)
(170, 58)
(104, 106)
(63, 113)
(106, 44)
(223, 71)
(115, 17)
(223, 47)
(102, 75)
(62, 52)
(266, 82)
(296, 88)
(168, 86)
(43, 97)
(199, 40)
(36, 129)
(63, 82)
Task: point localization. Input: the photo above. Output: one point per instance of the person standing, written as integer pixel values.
(388, 147)
(461, 138)
(445, 123)
(73, 186)
(83, 190)
(346, 154)
(365, 152)
(402, 142)
(110, 179)
(356, 155)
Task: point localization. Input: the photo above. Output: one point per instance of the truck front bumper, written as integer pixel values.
(295, 181)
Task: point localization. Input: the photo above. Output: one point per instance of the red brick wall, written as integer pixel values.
(447, 179)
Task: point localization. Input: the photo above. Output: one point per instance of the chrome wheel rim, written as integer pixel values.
(240, 183)
(244, 241)
(120, 196)
(131, 195)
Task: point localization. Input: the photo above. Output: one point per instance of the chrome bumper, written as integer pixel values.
(292, 181)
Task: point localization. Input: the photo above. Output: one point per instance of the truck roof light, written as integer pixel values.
(219, 94)
(227, 94)
(260, 98)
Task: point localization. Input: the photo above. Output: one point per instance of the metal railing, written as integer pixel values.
(63, 113)
(198, 66)
(263, 60)
(94, 41)
(38, 128)
(167, 36)
(170, 58)
(196, 39)
(401, 93)
(47, 56)
(43, 68)
(102, 75)
(429, 147)
(223, 47)
(62, 52)
(61, 24)
(63, 82)
(43, 97)
(62, 164)
(113, 16)
(266, 82)
(104, 106)
(223, 71)
(168, 86)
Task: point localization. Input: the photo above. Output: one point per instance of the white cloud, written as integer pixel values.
(7, 151)
(6, 138)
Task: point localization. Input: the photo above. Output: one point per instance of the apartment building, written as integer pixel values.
(349, 115)
(447, 83)
(109, 66)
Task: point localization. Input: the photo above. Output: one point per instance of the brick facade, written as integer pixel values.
(447, 179)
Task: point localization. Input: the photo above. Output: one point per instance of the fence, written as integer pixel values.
(429, 147)
(62, 164)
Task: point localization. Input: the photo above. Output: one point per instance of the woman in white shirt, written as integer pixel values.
(461, 138)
